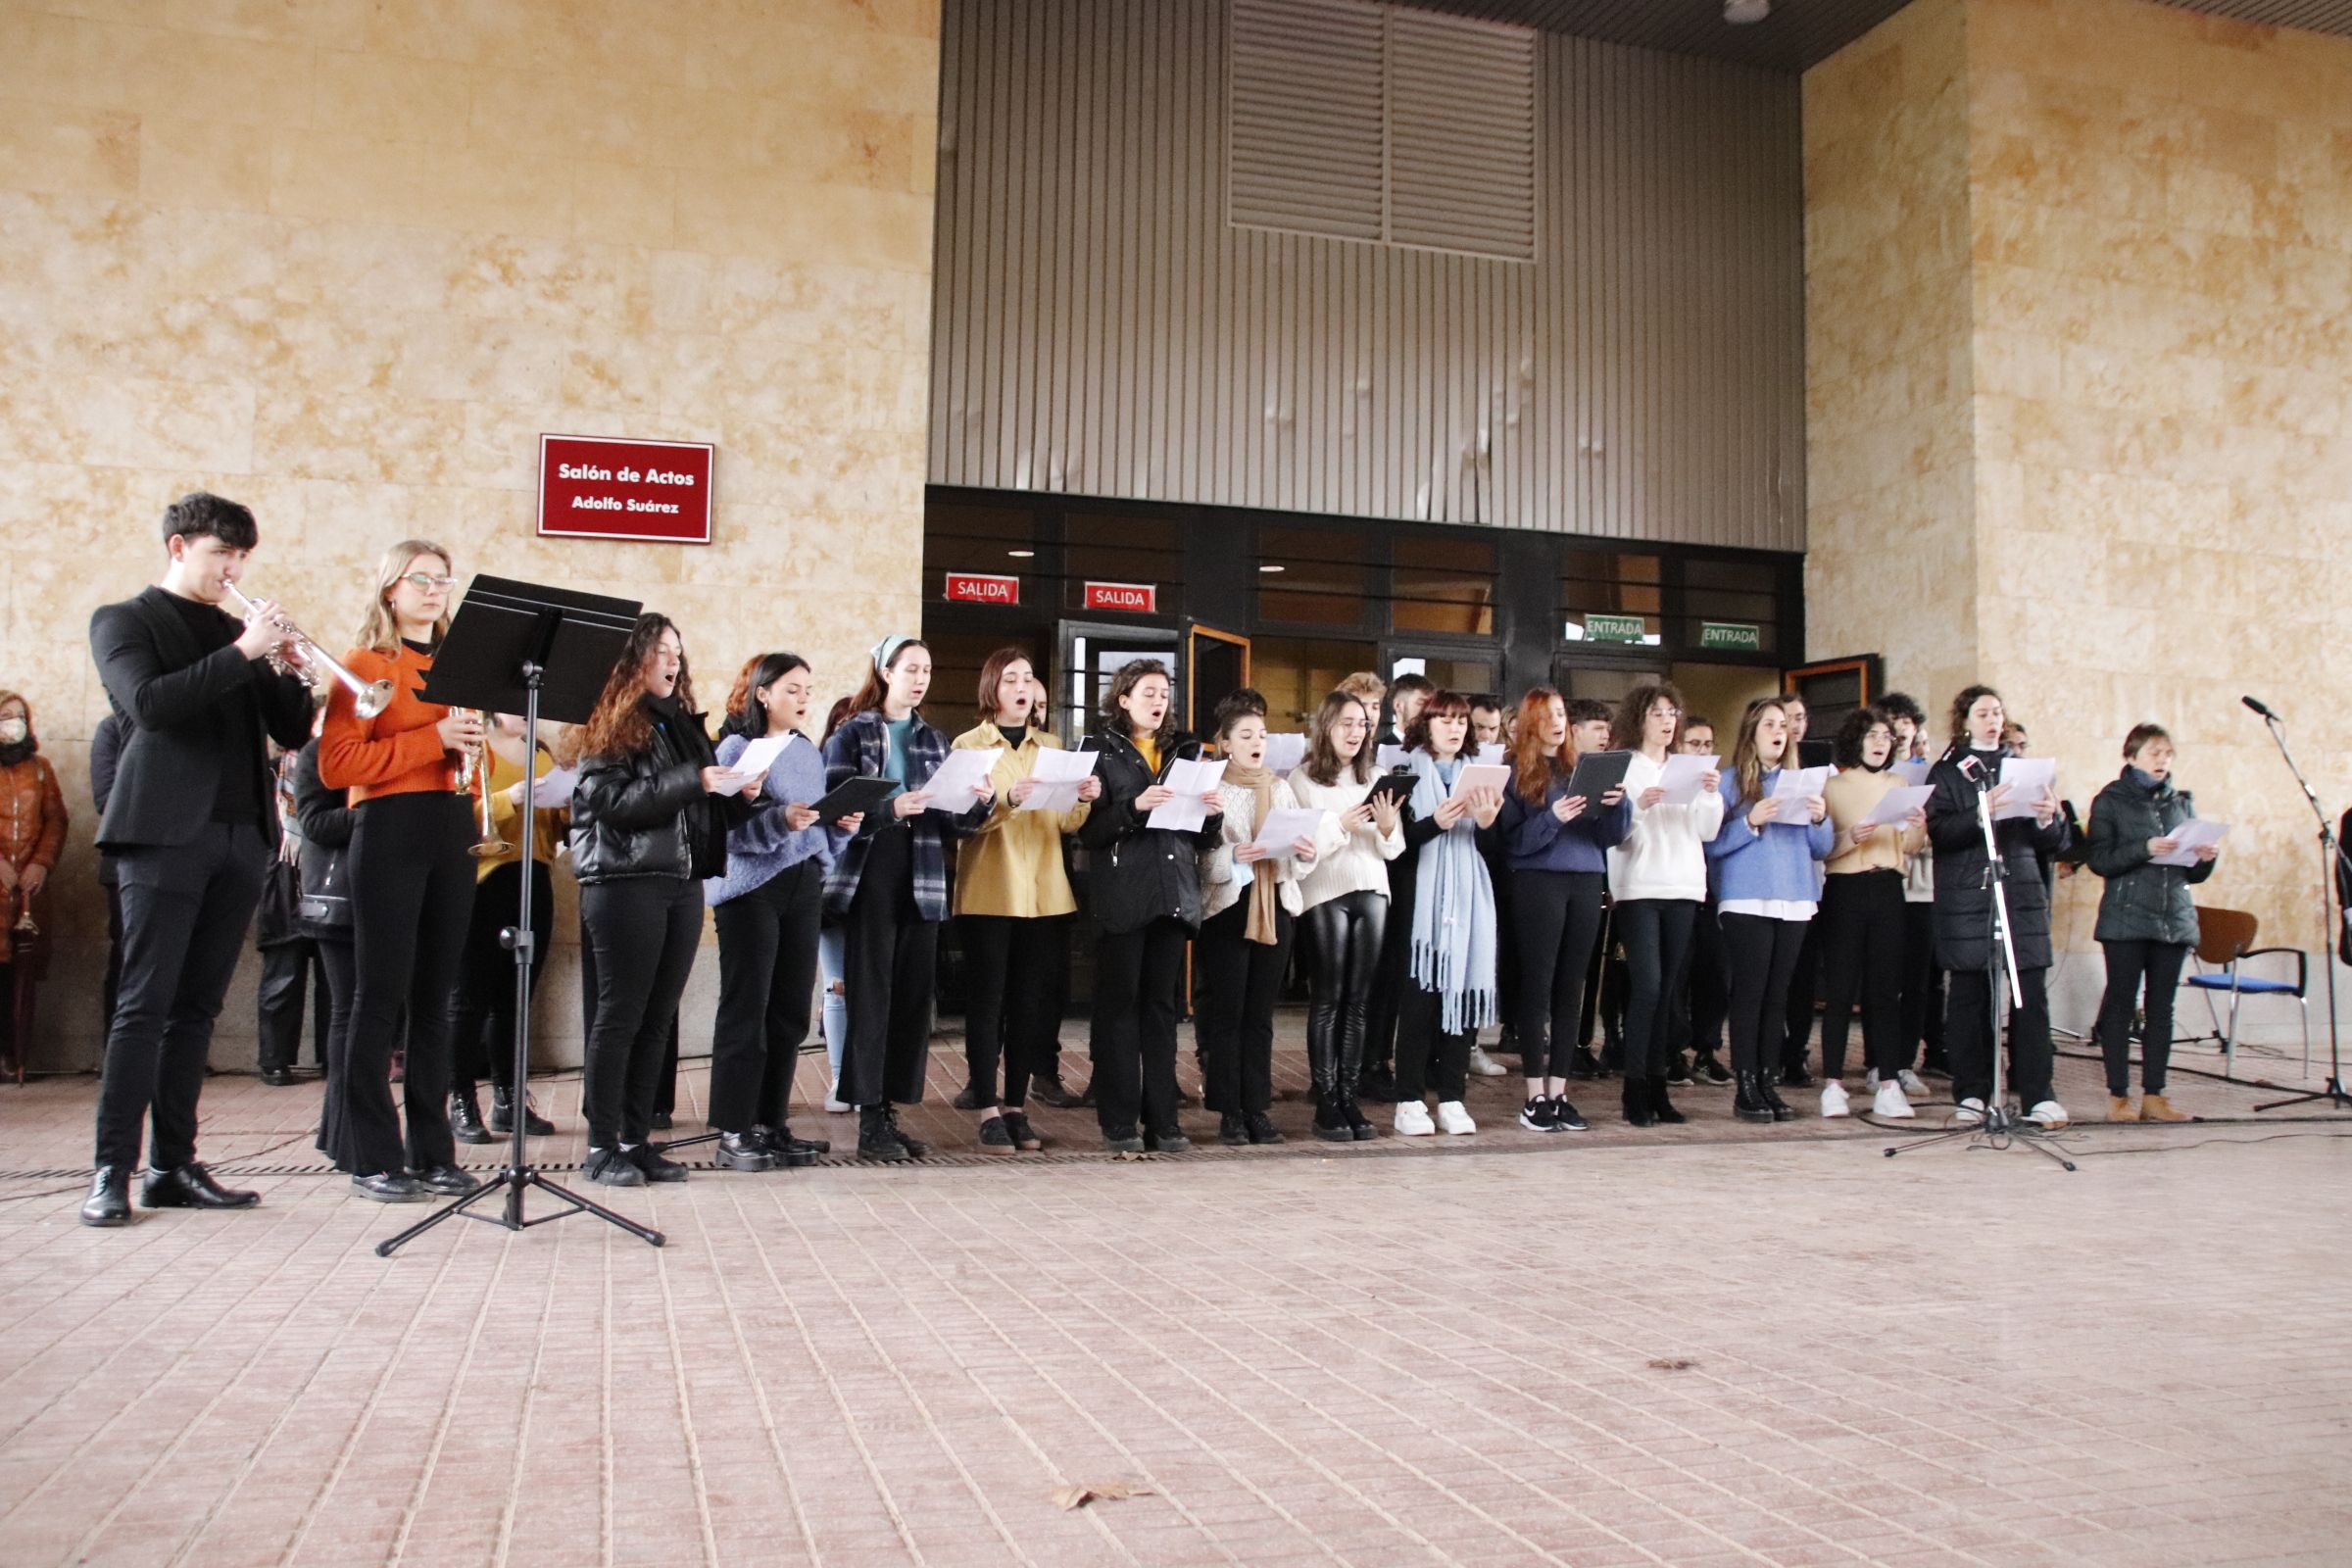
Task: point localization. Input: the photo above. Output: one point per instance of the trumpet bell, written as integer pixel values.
(372, 700)
(491, 847)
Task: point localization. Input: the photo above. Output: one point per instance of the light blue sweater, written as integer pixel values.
(1776, 863)
(764, 848)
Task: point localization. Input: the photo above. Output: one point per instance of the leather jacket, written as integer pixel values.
(646, 813)
(1139, 873)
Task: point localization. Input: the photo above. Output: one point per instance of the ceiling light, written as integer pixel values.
(1020, 554)
(1273, 568)
(1739, 13)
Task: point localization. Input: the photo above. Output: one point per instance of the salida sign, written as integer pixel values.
(981, 588)
(609, 487)
(1131, 598)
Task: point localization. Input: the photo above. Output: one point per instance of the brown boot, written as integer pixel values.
(2121, 1108)
(2155, 1107)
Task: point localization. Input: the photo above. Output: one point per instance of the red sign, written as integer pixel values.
(981, 588)
(1134, 598)
(605, 487)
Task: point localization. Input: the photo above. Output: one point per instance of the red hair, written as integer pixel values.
(1533, 767)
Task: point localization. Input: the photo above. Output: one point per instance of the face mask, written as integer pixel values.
(11, 731)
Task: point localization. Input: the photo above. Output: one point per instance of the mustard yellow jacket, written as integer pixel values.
(1012, 864)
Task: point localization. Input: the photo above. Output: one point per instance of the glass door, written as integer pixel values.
(1832, 689)
(1091, 652)
(1216, 665)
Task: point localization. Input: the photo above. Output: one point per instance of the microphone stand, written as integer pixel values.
(2334, 1094)
(2001, 1127)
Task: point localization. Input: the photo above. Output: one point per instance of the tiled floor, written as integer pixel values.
(1711, 1345)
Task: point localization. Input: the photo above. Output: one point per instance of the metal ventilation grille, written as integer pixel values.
(1366, 121)
(1461, 135)
(1305, 144)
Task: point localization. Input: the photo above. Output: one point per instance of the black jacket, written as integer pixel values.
(647, 814)
(326, 820)
(1962, 891)
(1140, 874)
(170, 696)
(2143, 902)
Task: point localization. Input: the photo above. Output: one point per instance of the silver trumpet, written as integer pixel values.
(367, 699)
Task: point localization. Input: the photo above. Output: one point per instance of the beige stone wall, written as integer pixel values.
(346, 260)
(2158, 211)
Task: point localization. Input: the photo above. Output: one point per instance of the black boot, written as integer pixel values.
(466, 1119)
(877, 1140)
(1351, 1067)
(1773, 1101)
(1748, 1099)
(502, 1115)
(1233, 1129)
(1331, 1124)
(1662, 1108)
(1707, 1067)
(1323, 1071)
(108, 1202)
(1637, 1110)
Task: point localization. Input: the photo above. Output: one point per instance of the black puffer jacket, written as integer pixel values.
(1140, 874)
(326, 819)
(1962, 891)
(647, 814)
(2143, 901)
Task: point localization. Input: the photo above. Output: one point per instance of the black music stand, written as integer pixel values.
(517, 648)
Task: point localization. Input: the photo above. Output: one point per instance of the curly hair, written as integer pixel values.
(618, 727)
(1625, 730)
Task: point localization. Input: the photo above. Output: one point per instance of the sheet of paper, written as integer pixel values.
(2188, 836)
(1279, 833)
(951, 788)
(1491, 753)
(1389, 759)
(1911, 773)
(1479, 776)
(1683, 771)
(760, 754)
(2030, 779)
(1800, 783)
(1899, 804)
(1285, 751)
(553, 788)
(1058, 775)
(1186, 813)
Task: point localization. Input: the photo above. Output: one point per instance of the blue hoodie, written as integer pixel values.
(1534, 840)
(1776, 863)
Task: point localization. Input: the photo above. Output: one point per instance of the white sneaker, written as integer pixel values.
(1482, 1065)
(1453, 1119)
(2049, 1115)
(1970, 1114)
(1892, 1104)
(1412, 1120)
(1833, 1102)
(835, 1103)
(1911, 1084)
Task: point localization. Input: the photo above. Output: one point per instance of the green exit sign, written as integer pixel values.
(1614, 628)
(1731, 636)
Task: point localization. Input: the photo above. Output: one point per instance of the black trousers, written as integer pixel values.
(411, 890)
(185, 907)
(112, 984)
(890, 959)
(1759, 953)
(2128, 964)
(342, 988)
(1656, 936)
(1506, 953)
(1805, 989)
(1922, 983)
(1861, 941)
(1343, 940)
(1137, 978)
(1016, 972)
(1968, 1036)
(286, 984)
(1236, 1021)
(1387, 991)
(1427, 1057)
(642, 932)
(1605, 984)
(1705, 1001)
(1560, 919)
(482, 1030)
(767, 980)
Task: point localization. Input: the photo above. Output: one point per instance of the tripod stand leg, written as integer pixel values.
(642, 1233)
(1925, 1140)
(2334, 1095)
(495, 1184)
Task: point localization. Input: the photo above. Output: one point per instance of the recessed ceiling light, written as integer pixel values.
(1739, 13)
(1020, 554)
(1271, 568)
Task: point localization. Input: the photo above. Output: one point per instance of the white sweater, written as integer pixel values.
(1222, 877)
(1345, 860)
(1663, 856)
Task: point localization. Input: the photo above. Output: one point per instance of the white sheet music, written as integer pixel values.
(1187, 813)
(1058, 775)
(950, 789)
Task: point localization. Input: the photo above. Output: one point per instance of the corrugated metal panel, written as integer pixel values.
(1796, 36)
(1101, 328)
(1306, 139)
(1461, 135)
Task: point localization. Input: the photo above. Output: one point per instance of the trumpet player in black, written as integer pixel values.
(407, 765)
(190, 825)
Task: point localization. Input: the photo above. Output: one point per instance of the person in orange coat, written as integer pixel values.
(412, 883)
(32, 834)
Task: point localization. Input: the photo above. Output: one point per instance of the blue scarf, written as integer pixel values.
(1453, 908)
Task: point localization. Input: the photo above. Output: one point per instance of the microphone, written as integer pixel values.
(2256, 705)
(1975, 772)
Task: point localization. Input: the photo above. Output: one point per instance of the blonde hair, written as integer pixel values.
(378, 631)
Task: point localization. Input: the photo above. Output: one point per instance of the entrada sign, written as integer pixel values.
(1614, 628)
(1732, 636)
(1130, 597)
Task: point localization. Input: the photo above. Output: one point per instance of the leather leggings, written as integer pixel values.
(1343, 940)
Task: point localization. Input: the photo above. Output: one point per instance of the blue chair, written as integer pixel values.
(2225, 942)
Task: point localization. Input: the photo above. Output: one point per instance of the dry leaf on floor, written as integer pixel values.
(1078, 1497)
(1672, 1363)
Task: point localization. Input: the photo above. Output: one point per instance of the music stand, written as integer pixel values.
(516, 646)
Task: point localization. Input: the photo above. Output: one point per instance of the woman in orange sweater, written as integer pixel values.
(411, 882)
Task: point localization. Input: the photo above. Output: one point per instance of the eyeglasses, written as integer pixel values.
(424, 583)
